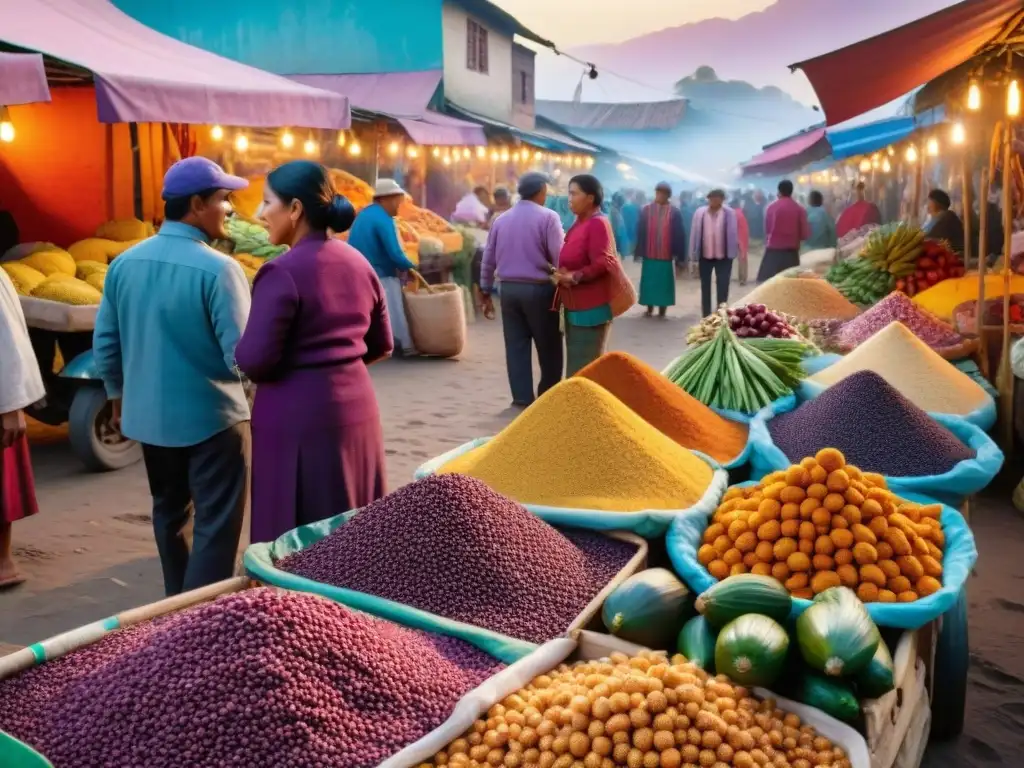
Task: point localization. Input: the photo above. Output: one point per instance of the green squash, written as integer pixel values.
(836, 635)
(746, 593)
(833, 697)
(647, 608)
(697, 643)
(751, 650)
(876, 679)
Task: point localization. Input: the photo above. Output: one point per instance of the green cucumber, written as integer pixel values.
(831, 696)
(836, 635)
(697, 643)
(745, 593)
(752, 650)
(876, 679)
(647, 608)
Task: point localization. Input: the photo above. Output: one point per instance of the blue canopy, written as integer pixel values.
(871, 137)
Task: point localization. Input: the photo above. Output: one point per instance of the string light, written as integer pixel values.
(515, 156)
(436, 152)
(287, 139)
(481, 152)
(1013, 99)
(6, 126)
(447, 160)
(241, 142)
(891, 151)
(973, 96)
(504, 155)
(911, 154)
(494, 155)
(393, 148)
(932, 147)
(958, 135)
(590, 162)
(216, 133)
(354, 149)
(538, 155)
(309, 146)
(886, 166)
(412, 152)
(341, 138)
(865, 165)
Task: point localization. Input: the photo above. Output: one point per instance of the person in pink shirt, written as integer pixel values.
(785, 227)
(742, 238)
(714, 244)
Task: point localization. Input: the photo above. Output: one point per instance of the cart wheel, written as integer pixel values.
(952, 658)
(95, 442)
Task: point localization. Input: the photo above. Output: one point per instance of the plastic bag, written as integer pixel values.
(684, 538)
(260, 559)
(649, 523)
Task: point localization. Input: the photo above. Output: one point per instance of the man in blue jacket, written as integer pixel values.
(173, 310)
(375, 236)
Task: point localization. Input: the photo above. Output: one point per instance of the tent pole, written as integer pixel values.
(982, 264)
(1005, 375)
(915, 214)
(133, 138)
(968, 207)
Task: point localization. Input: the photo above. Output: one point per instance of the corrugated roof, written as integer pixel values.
(641, 116)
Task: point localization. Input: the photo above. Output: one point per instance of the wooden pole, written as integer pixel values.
(982, 265)
(968, 206)
(915, 214)
(1005, 385)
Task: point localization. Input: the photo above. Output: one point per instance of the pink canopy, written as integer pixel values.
(144, 76)
(22, 79)
(791, 153)
(873, 72)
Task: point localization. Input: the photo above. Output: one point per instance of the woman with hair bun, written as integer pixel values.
(318, 319)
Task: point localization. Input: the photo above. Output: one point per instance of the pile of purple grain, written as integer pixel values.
(256, 678)
(876, 428)
(898, 307)
(450, 545)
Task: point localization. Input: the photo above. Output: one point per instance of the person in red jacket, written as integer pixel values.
(583, 281)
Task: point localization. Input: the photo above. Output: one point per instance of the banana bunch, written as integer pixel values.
(252, 239)
(894, 248)
(705, 330)
(861, 281)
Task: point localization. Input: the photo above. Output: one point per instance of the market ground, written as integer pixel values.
(90, 551)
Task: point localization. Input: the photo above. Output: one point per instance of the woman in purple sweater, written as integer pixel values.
(318, 319)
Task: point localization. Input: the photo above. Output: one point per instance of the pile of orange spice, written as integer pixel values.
(667, 407)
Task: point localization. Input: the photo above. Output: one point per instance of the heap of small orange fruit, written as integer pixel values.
(823, 523)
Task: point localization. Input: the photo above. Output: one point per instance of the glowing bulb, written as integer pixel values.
(886, 166)
(354, 149)
(504, 155)
(287, 140)
(891, 151)
(447, 160)
(974, 97)
(538, 155)
(341, 138)
(932, 147)
(216, 133)
(590, 162)
(436, 152)
(865, 165)
(958, 135)
(577, 161)
(802, 180)
(911, 154)
(494, 156)
(309, 147)
(515, 157)
(1013, 99)
(481, 152)
(412, 152)
(241, 142)
(6, 131)
(466, 154)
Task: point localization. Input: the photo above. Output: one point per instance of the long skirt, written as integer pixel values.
(396, 313)
(657, 283)
(318, 448)
(777, 260)
(583, 345)
(17, 483)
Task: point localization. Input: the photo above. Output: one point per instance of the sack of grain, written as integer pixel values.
(437, 318)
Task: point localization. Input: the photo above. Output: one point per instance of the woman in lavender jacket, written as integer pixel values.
(318, 319)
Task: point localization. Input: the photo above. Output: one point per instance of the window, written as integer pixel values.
(524, 88)
(476, 47)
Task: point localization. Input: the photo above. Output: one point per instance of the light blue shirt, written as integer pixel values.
(823, 229)
(173, 310)
(374, 235)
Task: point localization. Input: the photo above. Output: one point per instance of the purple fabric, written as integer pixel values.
(400, 94)
(318, 318)
(698, 241)
(434, 128)
(144, 76)
(523, 242)
(22, 79)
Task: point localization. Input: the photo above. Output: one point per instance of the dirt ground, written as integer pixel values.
(90, 552)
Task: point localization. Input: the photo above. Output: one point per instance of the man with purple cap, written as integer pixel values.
(173, 310)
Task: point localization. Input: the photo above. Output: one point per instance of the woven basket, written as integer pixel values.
(437, 317)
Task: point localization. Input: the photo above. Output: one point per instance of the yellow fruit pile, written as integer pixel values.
(823, 523)
(422, 220)
(54, 275)
(99, 249)
(646, 711)
(358, 192)
(125, 230)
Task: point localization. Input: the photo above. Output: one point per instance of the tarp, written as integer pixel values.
(404, 96)
(143, 76)
(22, 79)
(791, 153)
(547, 138)
(868, 74)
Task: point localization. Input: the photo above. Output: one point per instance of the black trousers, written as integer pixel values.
(722, 270)
(210, 481)
(527, 321)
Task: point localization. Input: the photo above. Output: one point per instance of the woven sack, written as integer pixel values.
(437, 318)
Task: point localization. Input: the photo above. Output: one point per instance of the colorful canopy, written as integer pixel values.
(143, 76)
(22, 79)
(873, 72)
(790, 153)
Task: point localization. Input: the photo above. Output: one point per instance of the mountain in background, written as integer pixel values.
(756, 48)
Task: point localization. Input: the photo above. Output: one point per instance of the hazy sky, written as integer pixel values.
(572, 22)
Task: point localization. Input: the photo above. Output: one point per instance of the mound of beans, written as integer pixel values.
(451, 546)
(257, 678)
(875, 427)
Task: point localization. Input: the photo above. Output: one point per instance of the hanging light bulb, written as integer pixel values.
(538, 155)
(494, 155)
(393, 148)
(973, 96)
(504, 155)
(436, 152)
(911, 154)
(1013, 99)
(447, 160)
(875, 162)
(515, 156)
(932, 147)
(958, 135)
(6, 126)
(241, 142)
(886, 166)
(466, 154)
(287, 139)
(481, 152)
(865, 165)
(891, 151)
(354, 149)
(412, 152)
(216, 133)
(309, 146)
(341, 138)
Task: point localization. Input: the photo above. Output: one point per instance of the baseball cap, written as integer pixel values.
(196, 174)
